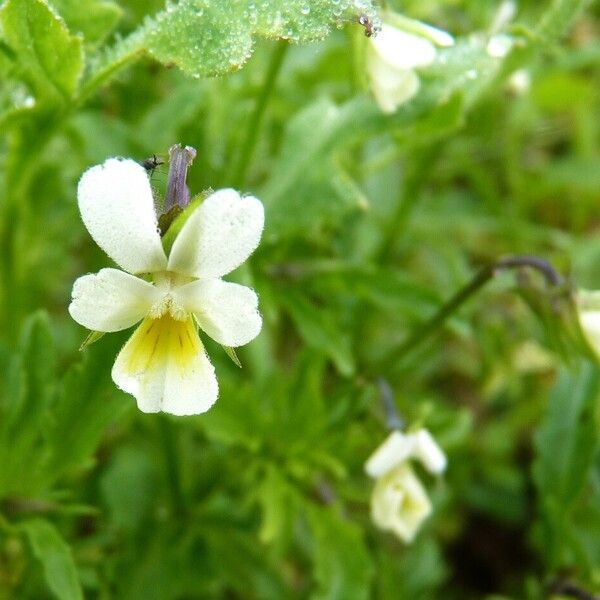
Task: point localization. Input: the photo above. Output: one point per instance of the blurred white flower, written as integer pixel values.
(395, 52)
(588, 311)
(399, 502)
(163, 364)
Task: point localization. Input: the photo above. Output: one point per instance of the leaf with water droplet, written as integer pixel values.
(213, 37)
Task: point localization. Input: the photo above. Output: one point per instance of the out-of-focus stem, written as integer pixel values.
(486, 274)
(255, 121)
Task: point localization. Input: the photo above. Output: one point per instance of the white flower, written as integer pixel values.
(399, 502)
(588, 309)
(163, 364)
(393, 55)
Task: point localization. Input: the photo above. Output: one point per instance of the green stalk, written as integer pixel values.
(486, 274)
(238, 177)
(169, 444)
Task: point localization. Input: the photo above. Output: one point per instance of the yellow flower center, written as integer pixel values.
(158, 341)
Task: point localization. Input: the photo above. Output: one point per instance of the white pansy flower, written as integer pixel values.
(395, 53)
(164, 364)
(588, 311)
(399, 502)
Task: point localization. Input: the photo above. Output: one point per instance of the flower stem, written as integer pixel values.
(393, 420)
(172, 465)
(485, 275)
(245, 156)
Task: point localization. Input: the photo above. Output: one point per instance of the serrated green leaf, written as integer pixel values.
(94, 19)
(48, 58)
(208, 38)
(87, 403)
(56, 559)
(319, 330)
(343, 568)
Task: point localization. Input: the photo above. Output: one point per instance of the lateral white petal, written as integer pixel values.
(226, 311)
(111, 300)
(428, 452)
(219, 236)
(403, 50)
(117, 207)
(164, 366)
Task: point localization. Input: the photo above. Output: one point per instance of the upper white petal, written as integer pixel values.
(228, 312)
(219, 236)
(427, 450)
(111, 300)
(164, 366)
(117, 207)
(403, 50)
(396, 449)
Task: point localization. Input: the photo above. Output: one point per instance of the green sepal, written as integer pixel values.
(92, 337)
(232, 355)
(178, 222)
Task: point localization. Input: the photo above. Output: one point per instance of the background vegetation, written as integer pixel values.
(372, 223)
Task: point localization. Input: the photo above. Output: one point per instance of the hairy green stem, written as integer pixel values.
(486, 274)
(255, 121)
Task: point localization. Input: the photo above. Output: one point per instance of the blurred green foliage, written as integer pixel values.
(372, 223)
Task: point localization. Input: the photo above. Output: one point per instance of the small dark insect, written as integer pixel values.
(152, 163)
(367, 23)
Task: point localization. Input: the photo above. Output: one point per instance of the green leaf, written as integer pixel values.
(94, 19)
(48, 58)
(86, 405)
(208, 37)
(56, 559)
(565, 444)
(566, 439)
(319, 329)
(343, 568)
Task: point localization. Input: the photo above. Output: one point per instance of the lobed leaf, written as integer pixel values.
(55, 557)
(47, 56)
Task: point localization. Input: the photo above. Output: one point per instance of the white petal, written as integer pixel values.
(403, 50)
(426, 449)
(396, 449)
(228, 312)
(588, 309)
(111, 300)
(165, 367)
(117, 207)
(219, 236)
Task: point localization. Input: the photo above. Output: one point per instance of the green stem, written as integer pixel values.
(486, 274)
(255, 122)
(407, 200)
(169, 444)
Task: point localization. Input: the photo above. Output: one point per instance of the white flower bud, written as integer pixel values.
(400, 47)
